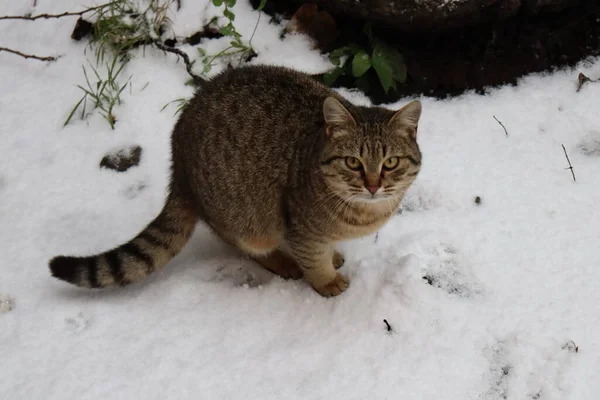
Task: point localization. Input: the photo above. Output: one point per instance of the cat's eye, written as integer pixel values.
(391, 163)
(353, 163)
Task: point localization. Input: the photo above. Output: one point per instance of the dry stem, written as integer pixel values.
(49, 58)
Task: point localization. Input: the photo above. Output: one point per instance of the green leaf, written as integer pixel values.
(230, 3)
(262, 5)
(201, 51)
(227, 30)
(217, 3)
(336, 55)
(237, 44)
(73, 111)
(330, 77)
(382, 66)
(335, 60)
(360, 64)
(228, 14)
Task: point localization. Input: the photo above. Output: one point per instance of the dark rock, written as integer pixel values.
(82, 29)
(122, 159)
(207, 32)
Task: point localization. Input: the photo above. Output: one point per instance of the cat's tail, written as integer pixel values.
(133, 261)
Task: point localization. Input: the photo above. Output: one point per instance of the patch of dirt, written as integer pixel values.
(475, 58)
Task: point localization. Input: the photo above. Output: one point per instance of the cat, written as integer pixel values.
(278, 165)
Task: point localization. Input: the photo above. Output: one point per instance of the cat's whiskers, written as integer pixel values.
(344, 206)
(337, 204)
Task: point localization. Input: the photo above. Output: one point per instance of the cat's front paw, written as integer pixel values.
(333, 288)
(338, 259)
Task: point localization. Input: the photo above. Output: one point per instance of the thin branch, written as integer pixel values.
(49, 16)
(501, 124)
(388, 327)
(186, 60)
(178, 5)
(49, 58)
(569, 161)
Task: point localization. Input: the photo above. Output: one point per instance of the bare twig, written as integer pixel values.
(49, 58)
(501, 124)
(569, 161)
(178, 5)
(186, 60)
(50, 16)
(387, 325)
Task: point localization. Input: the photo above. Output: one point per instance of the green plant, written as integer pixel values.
(236, 45)
(355, 61)
(181, 103)
(123, 25)
(104, 94)
(120, 26)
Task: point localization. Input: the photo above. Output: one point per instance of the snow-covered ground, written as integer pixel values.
(483, 300)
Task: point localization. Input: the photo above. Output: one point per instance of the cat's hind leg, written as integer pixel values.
(266, 251)
(338, 259)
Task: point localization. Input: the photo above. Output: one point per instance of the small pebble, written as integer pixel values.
(6, 303)
(478, 200)
(123, 159)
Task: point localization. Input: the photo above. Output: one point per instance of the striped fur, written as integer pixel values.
(133, 261)
(278, 165)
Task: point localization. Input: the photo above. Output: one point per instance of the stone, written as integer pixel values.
(123, 159)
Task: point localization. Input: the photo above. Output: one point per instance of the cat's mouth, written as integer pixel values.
(371, 198)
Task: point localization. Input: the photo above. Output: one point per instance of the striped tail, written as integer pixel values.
(133, 261)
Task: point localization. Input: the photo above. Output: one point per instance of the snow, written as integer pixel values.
(513, 279)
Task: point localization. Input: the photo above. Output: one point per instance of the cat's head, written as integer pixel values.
(372, 155)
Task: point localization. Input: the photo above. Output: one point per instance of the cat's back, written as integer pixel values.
(262, 83)
(246, 129)
(256, 112)
(270, 93)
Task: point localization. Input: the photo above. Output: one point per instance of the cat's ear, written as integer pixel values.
(336, 115)
(407, 119)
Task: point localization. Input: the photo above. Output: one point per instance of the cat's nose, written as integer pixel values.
(372, 188)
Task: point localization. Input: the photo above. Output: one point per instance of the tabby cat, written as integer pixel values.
(279, 166)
